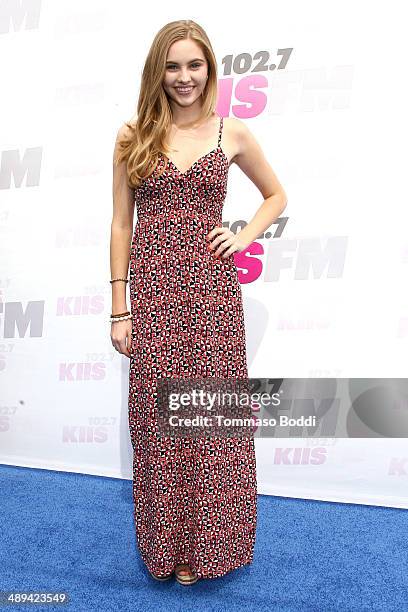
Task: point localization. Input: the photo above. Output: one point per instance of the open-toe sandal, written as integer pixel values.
(161, 578)
(184, 575)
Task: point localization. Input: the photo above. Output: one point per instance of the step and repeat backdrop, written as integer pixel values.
(325, 287)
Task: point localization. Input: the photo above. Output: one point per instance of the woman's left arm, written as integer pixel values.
(251, 159)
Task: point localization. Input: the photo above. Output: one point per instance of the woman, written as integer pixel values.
(194, 498)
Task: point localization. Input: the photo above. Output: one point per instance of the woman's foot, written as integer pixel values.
(161, 578)
(184, 575)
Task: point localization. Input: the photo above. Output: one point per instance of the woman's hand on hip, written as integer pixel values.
(225, 240)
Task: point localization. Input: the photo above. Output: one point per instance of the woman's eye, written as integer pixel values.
(171, 66)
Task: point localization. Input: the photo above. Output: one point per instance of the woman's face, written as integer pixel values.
(186, 69)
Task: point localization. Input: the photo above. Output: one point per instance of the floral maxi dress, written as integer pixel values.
(194, 498)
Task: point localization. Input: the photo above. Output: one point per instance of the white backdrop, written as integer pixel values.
(326, 298)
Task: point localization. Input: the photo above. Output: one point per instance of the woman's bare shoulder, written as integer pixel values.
(123, 137)
(126, 130)
(235, 126)
(234, 129)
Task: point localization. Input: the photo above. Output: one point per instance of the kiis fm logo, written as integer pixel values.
(308, 258)
(300, 456)
(22, 322)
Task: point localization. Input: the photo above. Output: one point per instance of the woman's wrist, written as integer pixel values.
(118, 308)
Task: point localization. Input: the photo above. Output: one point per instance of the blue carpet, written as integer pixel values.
(75, 533)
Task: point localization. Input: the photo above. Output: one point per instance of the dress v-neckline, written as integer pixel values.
(218, 147)
(195, 162)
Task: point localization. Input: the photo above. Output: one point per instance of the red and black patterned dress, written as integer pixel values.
(194, 498)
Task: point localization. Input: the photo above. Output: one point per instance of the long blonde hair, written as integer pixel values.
(146, 137)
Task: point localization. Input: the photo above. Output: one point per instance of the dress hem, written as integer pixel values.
(203, 574)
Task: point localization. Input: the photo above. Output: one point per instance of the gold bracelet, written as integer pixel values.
(119, 279)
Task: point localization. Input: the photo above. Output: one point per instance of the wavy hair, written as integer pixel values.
(146, 136)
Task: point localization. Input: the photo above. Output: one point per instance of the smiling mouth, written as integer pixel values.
(184, 90)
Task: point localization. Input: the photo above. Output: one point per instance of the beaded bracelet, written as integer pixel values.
(125, 318)
(120, 314)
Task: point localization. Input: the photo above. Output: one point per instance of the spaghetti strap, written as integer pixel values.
(220, 131)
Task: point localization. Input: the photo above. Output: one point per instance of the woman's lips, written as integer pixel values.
(184, 91)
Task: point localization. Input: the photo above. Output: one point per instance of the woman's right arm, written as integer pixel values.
(120, 244)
